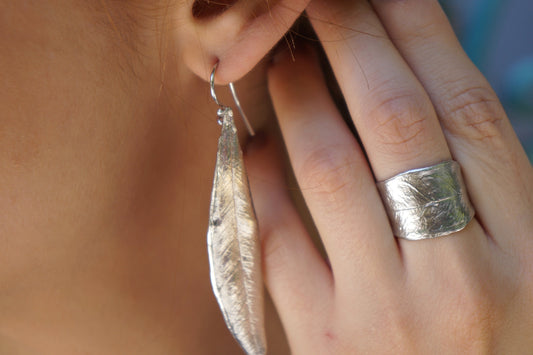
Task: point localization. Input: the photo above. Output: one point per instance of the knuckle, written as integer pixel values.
(398, 322)
(476, 320)
(277, 261)
(327, 169)
(400, 121)
(474, 113)
(476, 310)
(424, 30)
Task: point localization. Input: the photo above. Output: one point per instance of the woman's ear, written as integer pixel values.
(237, 33)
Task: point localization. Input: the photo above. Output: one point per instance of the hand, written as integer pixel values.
(416, 100)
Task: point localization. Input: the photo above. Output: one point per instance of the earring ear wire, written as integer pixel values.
(235, 98)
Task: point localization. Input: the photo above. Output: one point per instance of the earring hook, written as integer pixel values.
(212, 84)
(235, 98)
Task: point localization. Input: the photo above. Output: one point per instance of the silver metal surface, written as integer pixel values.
(235, 98)
(428, 202)
(212, 84)
(239, 107)
(233, 244)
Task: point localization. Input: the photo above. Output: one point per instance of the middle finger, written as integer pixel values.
(391, 110)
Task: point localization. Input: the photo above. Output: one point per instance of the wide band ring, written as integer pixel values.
(428, 202)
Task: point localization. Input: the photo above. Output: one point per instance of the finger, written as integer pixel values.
(297, 277)
(390, 109)
(476, 127)
(332, 172)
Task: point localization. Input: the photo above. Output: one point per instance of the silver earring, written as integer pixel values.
(233, 237)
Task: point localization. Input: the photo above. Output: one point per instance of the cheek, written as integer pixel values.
(55, 66)
(64, 98)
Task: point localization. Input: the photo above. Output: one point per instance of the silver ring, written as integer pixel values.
(428, 202)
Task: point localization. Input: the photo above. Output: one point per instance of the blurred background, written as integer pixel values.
(498, 37)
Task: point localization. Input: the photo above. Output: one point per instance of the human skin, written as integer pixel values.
(105, 186)
(107, 150)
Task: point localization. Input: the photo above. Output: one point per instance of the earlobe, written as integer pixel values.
(238, 36)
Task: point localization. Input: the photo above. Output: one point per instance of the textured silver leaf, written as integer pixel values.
(428, 202)
(233, 244)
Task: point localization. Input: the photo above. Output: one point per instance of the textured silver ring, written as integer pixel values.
(428, 202)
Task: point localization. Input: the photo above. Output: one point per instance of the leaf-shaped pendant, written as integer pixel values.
(233, 244)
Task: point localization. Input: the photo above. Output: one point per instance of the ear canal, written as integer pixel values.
(202, 9)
